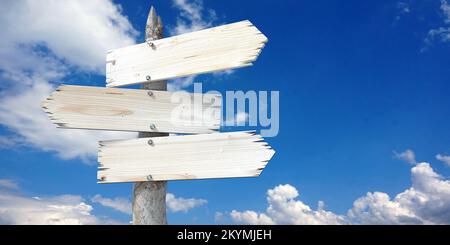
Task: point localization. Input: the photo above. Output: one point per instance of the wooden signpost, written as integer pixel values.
(203, 156)
(215, 49)
(155, 157)
(132, 110)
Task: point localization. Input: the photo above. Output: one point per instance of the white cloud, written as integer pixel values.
(193, 16)
(179, 204)
(407, 156)
(78, 32)
(240, 118)
(8, 184)
(57, 210)
(445, 7)
(285, 209)
(174, 204)
(377, 208)
(55, 38)
(23, 114)
(251, 218)
(219, 74)
(403, 7)
(120, 204)
(178, 84)
(8, 142)
(16, 208)
(427, 201)
(441, 33)
(443, 158)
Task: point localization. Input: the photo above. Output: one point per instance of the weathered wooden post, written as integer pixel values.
(149, 198)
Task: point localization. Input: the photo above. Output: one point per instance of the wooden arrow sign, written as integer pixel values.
(219, 48)
(219, 155)
(133, 110)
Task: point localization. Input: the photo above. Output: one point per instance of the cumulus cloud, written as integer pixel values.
(55, 39)
(179, 204)
(78, 32)
(17, 209)
(445, 159)
(427, 201)
(284, 208)
(377, 208)
(23, 114)
(193, 16)
(407, 156)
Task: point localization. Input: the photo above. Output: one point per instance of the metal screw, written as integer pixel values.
(150, 93)
(150, 142)
(148, 78)
(151, 44)
(149, 177)
(152, 126)
(103, 178)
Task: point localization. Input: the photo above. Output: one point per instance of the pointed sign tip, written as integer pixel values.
(152, 15)
(152, 11)
(153, 29)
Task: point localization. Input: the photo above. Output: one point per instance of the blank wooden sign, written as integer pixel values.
(219, 155)
(133, 110)
(219, 48)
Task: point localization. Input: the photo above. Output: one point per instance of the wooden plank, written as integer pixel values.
(214, 49)
(204, 156)
(90, 107)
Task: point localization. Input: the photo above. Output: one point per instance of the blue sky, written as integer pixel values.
(361, 82)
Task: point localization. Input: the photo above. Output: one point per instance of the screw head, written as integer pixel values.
(148, 77)
(149, 177)
(150, 142)
(152, 126)
(151, 44)
(150, 93)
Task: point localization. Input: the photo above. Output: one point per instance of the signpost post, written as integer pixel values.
(149, 197)
(155, 157)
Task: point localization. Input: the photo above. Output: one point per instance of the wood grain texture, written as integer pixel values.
(214, 49)
(133, 110)
(219, 155)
